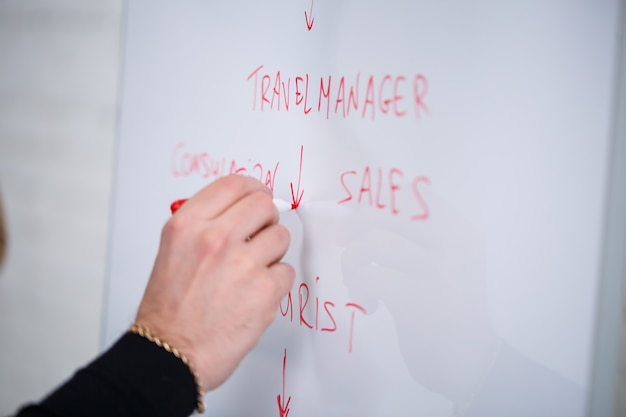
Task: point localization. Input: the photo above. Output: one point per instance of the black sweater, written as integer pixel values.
(134, 378)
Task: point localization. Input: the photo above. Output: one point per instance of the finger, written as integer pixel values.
(249, 215)
(283, 275)
(270, 244)
(215, 198)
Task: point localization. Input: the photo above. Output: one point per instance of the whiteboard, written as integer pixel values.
(449, 161)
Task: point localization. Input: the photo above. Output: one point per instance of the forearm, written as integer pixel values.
(135, 377)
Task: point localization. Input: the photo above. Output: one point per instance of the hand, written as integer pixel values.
(218, 277)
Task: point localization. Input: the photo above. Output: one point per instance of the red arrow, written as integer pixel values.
(296, 197)
(309, 24)
(283, 409)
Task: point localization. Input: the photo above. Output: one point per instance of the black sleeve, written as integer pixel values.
(134, 378)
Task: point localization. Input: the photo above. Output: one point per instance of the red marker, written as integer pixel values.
(281, 205)
(176, 204)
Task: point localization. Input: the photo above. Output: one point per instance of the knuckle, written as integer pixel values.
(212, 241)
(243, 263)
(239, 185)
(282, 236)
(234, 183)
(279, 280)
(285, 279)
(263, 202)
(290, 275)
(174, 226)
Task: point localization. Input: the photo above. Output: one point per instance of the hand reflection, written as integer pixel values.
(431, 277)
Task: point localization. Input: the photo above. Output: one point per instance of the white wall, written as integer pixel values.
(58, 96)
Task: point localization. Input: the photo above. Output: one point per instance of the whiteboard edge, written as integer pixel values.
(114, 176)
(605, 372)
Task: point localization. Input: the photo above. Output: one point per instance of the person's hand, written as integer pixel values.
(218, 277)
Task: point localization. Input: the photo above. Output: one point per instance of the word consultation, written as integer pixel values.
(359, 96)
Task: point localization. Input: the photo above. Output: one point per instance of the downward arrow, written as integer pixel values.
(309, 23)
(296, 197)
(283, 409)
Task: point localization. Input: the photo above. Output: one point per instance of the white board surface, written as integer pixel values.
(450, 164)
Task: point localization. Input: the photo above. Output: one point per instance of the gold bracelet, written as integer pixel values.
(144, 331)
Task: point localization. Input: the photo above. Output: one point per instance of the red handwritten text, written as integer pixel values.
(283, 407)
(379, 188)
(367, 97)
(186, 163)
(324, 318)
